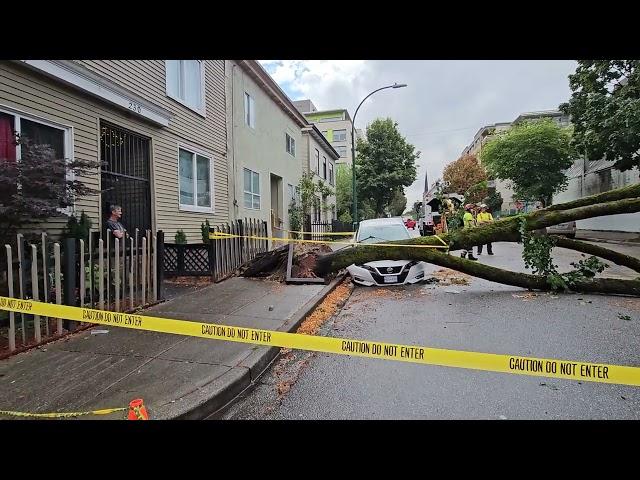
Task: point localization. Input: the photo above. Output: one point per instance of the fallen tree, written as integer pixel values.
(623, 200)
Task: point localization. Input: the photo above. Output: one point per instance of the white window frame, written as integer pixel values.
(340, 130)
(68, 141)
(324, 167)
(249, 105)
(203, 107)
(195, 208)
(244, 190)
(290, 141)
(332, 173)
(317, 169)
(340, 147)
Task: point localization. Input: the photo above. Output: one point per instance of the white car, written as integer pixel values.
(385, 272)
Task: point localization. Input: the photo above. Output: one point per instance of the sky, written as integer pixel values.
(444, 104)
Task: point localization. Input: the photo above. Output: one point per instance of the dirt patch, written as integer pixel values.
(329, 306)
(525, 296)
(305, 257)
(628, 303)
(446, 276)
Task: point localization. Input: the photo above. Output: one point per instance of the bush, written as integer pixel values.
(204, 228)
(181, 237)
(78, 229)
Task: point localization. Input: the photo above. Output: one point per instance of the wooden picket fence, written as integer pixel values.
(106, 273)
(229, 254)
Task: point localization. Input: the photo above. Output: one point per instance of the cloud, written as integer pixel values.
(444, 105)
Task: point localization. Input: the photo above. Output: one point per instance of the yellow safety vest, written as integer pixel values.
(484, 217)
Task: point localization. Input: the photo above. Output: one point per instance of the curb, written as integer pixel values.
(225, 389)
(616, 242)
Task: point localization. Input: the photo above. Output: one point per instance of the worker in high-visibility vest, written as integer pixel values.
(468, 222)
(484, 217)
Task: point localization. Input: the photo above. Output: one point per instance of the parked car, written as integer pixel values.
(385, 272)
(410, 223)
(567, 229)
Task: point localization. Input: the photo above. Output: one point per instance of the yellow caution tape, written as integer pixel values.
(321, 233)
(105, 411)
(222, 236)
(540, 367)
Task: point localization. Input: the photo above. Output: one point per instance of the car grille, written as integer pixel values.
(386, 271)
(379, 279)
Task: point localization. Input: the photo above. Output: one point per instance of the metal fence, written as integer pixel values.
(105, 273)
(318, 229)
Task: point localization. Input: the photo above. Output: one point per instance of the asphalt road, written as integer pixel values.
(483, 317)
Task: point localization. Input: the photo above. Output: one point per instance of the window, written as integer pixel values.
(339, 135)
(195, 181)
(40, 132)
(317, 165)
(292, 193)
(324, 167)
(185, 82)
(331, 179)
(291, 145)
(342, 150)
(249, 111)
(330, 119)
(251, 189)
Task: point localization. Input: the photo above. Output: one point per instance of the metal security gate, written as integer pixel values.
(126, 181)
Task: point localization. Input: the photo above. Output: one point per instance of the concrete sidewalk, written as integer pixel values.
(608, 236)
(177, 376)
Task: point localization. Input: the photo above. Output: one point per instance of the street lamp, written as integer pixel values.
(353, 150)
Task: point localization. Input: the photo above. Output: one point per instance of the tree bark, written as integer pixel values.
(631, 191)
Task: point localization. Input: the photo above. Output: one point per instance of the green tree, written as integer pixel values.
(386, 162)
(476, 193)
(398, 203)
(605, 110)
(417, 209)
(493, 201)
(533, 156)
(344, 192)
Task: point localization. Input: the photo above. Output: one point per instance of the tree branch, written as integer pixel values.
(607, 254)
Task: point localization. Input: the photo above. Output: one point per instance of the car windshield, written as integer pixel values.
(382, 233)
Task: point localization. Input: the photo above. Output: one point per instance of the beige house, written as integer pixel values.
(158, 127)
(320, 158)
(266, 146)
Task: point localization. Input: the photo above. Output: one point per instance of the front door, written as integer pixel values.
(125, 176)
(277, 215)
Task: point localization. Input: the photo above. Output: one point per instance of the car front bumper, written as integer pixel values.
(362, 276)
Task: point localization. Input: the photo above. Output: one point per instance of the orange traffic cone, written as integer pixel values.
(137, 410)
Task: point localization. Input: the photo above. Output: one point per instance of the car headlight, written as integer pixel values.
(409, 265)
(367, 267)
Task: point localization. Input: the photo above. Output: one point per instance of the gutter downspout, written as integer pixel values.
(233, 139)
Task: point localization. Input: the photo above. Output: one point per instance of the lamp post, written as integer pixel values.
(353, 150)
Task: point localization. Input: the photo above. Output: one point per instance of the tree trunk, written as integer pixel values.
(264, 263)
(506, 230)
